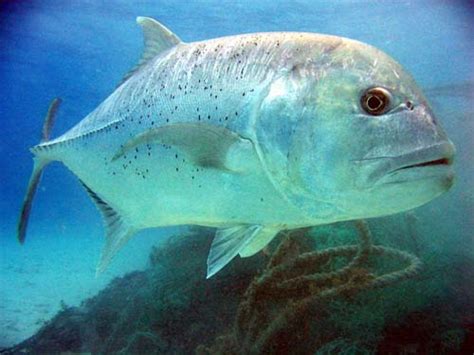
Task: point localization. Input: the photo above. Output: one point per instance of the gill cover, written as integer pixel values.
(284, 129)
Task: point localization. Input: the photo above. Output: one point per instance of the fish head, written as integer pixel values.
(362, 138)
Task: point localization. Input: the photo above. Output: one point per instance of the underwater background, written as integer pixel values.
(79, 51)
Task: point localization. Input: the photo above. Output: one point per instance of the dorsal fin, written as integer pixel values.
(157, 38)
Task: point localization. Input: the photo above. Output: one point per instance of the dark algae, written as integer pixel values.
(307, 293)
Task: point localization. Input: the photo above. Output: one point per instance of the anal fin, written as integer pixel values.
(229, 242)
(118, 231)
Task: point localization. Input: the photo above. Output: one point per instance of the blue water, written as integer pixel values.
(79, 51)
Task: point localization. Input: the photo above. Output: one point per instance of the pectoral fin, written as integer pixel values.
(265, 236)
(231, 241)
(205, 145)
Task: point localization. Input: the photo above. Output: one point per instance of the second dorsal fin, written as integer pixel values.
(157, 38)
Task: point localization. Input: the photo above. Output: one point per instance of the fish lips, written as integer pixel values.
(433, 162)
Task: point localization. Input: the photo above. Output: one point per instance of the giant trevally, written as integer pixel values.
(252, 134)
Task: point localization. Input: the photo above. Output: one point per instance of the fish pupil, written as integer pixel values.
(374, 103)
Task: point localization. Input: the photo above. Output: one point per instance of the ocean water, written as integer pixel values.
(80, 50)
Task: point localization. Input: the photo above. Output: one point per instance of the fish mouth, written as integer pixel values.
(447, 161)
(434, 161)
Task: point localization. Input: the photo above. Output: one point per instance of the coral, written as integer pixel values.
(280, 306)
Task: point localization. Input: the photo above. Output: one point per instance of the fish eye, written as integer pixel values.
(375, 101)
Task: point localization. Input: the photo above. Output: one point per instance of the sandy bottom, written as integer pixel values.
(49, 273)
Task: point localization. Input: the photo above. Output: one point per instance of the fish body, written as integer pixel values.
(252, 134)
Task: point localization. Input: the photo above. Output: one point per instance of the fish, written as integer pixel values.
(251, 134)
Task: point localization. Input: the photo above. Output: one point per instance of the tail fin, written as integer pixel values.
(50, 119)
(39, 164)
